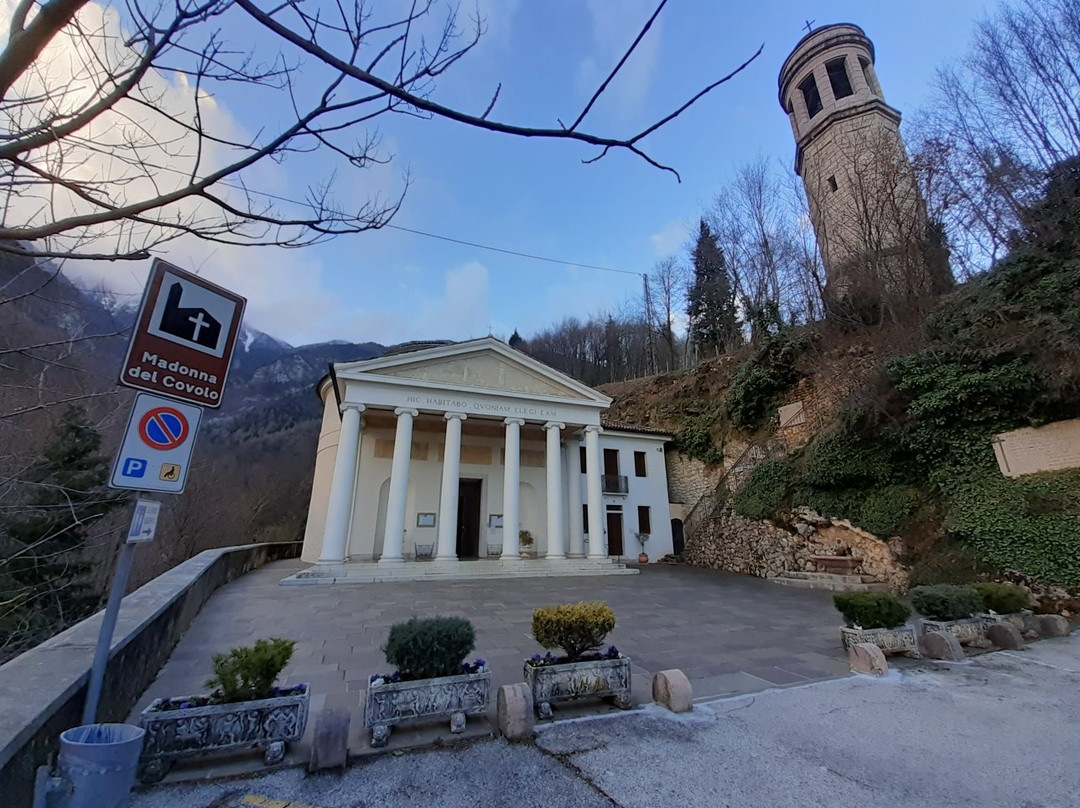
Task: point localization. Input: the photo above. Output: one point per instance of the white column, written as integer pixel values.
(512, 488)
(573, 481)
(394, 532)
(448, 498)
(342, 487)
(555, 536)
(597, 539)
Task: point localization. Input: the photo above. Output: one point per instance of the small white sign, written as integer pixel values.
(155, 454)
(192, 315)
(144, 521)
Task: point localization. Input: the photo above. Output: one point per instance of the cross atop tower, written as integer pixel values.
(809, 25)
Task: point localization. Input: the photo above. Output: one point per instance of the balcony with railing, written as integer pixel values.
(615, 484)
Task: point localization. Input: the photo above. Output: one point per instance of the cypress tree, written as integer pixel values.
(713, 316)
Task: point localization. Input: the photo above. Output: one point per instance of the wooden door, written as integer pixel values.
(468, 528)
(614, 533)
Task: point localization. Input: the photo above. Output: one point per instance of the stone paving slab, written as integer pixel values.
(730, 634)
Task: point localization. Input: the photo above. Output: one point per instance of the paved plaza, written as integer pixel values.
(999, 730)
(730, 634)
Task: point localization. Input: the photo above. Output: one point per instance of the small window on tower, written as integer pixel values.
(832, 183)
(838, 77)
(811, 96)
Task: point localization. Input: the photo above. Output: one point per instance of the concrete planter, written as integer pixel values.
(1023, 621)
(173, 732)
(889, 640)
(452, 697)
(573, 680)
(966, 631)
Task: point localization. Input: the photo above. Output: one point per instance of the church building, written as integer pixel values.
(438, 458)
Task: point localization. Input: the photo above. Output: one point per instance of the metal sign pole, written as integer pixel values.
(108, 626)
(143, 526)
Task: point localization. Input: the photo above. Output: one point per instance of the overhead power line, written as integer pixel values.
(463, 242)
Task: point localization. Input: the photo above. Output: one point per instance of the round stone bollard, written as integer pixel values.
(514, 704)
(672, 691)
(1005, 636)
(1052, 625)
(939, 645)
(100, 761)
(865, 657)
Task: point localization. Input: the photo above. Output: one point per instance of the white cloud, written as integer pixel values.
(614, 26)
(670, 240)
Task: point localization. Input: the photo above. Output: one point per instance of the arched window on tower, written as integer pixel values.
(838, 78)
(811, 96)
(868, 74)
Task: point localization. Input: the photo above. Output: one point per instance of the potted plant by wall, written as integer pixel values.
(1005, 603)
(950, 609)
(583, 670)
(878, 618)
(245, 709)
(642, 537)
(526, 544)
(432, 679)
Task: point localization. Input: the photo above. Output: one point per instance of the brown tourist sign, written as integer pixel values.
(184, 337)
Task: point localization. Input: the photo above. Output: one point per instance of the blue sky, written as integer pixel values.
(537, 197)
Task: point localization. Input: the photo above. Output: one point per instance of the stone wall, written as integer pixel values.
(43, 690)
(729, 542)
(689, 479)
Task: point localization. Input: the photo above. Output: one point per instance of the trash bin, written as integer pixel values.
(100, 760)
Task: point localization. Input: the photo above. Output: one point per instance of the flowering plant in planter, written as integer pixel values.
(246, 708)
(579, 631)
(432, 679)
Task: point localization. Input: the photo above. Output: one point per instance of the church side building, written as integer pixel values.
(450, 451)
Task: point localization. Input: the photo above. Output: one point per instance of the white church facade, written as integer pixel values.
(455, 452)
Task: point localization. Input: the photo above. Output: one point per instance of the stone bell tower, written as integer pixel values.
(864, 201)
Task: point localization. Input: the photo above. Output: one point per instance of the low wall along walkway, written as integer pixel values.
(42, 691)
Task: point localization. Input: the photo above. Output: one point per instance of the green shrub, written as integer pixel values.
(946, 601)
(424, 648)
(1031, 524)
(695, 438)
(884, 511)
(1002, 598)
(759, 382)
(871, 609)
(249, 673)
(575, 628)
(764, 493)
(946, 561)
(840, 460)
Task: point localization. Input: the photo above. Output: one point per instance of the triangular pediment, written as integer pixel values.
(482, 365)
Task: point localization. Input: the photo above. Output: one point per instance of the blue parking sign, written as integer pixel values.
(133, 467)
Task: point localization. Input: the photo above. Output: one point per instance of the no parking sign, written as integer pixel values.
(156, 452)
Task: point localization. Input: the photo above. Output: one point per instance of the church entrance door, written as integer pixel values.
(468, 527)
(614, 533)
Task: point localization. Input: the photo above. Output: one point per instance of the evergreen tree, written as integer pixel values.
(713, 317)
(43, 571)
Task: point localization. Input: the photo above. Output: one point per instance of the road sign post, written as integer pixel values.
(143, 525)
(181, 347)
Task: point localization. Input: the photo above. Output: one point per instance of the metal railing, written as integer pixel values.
(614, 484)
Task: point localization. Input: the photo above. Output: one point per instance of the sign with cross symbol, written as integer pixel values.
(184, 337)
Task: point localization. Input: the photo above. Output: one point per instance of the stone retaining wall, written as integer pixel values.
(729, 542)
(43, 690)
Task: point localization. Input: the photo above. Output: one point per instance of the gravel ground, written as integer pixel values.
(1002, 729)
